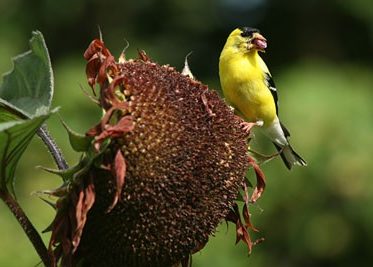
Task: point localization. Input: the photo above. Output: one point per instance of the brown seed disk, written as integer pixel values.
(185, 158)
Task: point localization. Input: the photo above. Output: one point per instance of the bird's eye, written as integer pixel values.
(248, 32)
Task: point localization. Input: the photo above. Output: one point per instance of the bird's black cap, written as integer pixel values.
(248, 31)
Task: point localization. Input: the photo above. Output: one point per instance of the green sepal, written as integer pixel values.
(67, 174)
(48, 202)
(78, 142)
(88, 159)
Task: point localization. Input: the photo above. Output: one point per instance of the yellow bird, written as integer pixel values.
(249, 88)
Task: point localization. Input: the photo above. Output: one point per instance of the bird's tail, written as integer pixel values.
(290, 157)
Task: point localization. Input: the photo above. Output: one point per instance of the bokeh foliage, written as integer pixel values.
(320, 54)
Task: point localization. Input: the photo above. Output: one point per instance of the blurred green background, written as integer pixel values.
(320, 54)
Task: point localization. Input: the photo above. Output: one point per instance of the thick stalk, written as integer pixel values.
(27, 226)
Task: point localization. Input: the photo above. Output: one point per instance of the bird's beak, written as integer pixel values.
(259, 42)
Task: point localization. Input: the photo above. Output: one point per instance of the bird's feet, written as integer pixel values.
(246, 126)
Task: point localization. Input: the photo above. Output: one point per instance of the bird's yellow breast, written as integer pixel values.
(242, 77)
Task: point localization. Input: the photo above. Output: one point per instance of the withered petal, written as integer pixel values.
(108, 98)
(92, 69)
(119, 174)
(100, 61)
(107, 65)
(247, 218)
(112, 131)
(143, 56)
(246, 239)
(245, 209)
(207, 105)
(85, 203)
(260, 181)
(95, 47)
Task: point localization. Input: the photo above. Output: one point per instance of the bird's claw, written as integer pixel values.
(246, 126)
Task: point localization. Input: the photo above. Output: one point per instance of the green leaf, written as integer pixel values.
(78, 142)
(27, 90)
(15, 137)
(7, 115)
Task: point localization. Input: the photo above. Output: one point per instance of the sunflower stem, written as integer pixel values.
(27, 226)
(53, 149)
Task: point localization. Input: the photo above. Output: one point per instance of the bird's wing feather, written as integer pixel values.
(286, 131)
(272, 88)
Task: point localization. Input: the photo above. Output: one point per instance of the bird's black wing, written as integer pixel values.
(272, 88)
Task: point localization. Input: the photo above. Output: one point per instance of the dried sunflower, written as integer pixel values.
(159, 172)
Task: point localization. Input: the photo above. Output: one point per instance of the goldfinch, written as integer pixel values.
(249, 88)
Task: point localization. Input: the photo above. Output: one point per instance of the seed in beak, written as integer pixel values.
(260, 43)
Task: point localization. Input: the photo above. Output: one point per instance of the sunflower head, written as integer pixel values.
(164, 167)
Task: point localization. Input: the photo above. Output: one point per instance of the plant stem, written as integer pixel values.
(27, 226)
(52, 147)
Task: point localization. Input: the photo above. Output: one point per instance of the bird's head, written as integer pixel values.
(247, 39)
